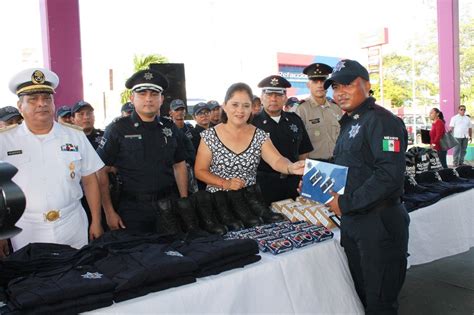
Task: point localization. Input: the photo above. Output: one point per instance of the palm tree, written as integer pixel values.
(141, 62)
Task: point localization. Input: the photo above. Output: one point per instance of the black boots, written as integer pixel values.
(167, 220)
(203, 205)
(254, 198)
(241, 208)
(224, 214)
(187, 213)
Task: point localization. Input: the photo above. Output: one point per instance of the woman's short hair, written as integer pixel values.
(236, 87)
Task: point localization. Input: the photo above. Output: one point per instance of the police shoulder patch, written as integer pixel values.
(71, 126)
(8, 127)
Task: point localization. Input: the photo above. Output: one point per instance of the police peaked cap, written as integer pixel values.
(346, 71)
(147, 80)
(34, 80)
(318, 71)
(274, 84)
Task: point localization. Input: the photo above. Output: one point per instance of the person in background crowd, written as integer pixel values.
(9, 115)
(436, 133)
(288, 135)
(126, 109)
(202, 117)
(177, 113)
(148, 153)
(291, 104)
(82, 115)
(374, 224)
(461, 127)
(53, 160)
(215, 108)
(256, 105)
(229, 153)
(320, 116)
(63, 115)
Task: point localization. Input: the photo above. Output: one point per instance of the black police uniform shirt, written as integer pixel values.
(372, 143)
(143, 152)
(188, 143)
(196, 133)
(289, 136)
(95, 137)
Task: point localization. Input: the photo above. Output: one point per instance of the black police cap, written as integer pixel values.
(292, 101)
(199, 107)
(8, 112)
(80, 105)
(346, 71)
(317, 71)
(274, 84)
(147, 80)
(176, 104)
(127, 107)
(63, 111)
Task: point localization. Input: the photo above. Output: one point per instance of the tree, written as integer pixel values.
(141, 62)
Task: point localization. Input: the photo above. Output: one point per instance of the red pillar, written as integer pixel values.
(448, 50)
(62, 47)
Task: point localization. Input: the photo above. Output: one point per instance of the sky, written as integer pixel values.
(219, 41)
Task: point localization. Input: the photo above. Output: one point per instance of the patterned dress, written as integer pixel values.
(227, 164)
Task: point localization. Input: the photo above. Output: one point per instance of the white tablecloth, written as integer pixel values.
(443, 229)
(314, 279)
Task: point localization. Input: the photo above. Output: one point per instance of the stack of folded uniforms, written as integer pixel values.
(52, 278)
(466, 171)
(417, 196)
(451, 176)
(139, 265)
(432, 180)
(214, 254)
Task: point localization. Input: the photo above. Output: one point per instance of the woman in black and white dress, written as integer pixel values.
(229, 153)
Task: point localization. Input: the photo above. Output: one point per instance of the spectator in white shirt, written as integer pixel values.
(461, 127)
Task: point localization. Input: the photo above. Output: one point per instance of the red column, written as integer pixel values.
(62, 47)
(448, 50)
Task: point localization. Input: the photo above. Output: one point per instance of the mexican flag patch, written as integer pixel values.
(390, 144)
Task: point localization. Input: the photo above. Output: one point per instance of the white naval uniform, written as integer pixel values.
(49, 172)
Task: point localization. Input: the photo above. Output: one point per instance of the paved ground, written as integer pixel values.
(444, 287)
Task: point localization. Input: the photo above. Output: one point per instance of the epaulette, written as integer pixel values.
(71, 126)
(8, 127)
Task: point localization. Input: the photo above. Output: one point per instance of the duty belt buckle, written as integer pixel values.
(51, 215)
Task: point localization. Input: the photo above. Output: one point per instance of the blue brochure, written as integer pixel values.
(321, 178)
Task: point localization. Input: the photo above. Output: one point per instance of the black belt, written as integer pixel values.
(154, 196)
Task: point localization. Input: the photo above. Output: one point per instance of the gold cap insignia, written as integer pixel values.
(37, 77)
(274, 82)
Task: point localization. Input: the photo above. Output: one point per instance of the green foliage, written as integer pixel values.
(141, 62)
(423, 67)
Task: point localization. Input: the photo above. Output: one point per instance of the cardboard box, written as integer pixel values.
(288, 208)
(277, 205)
